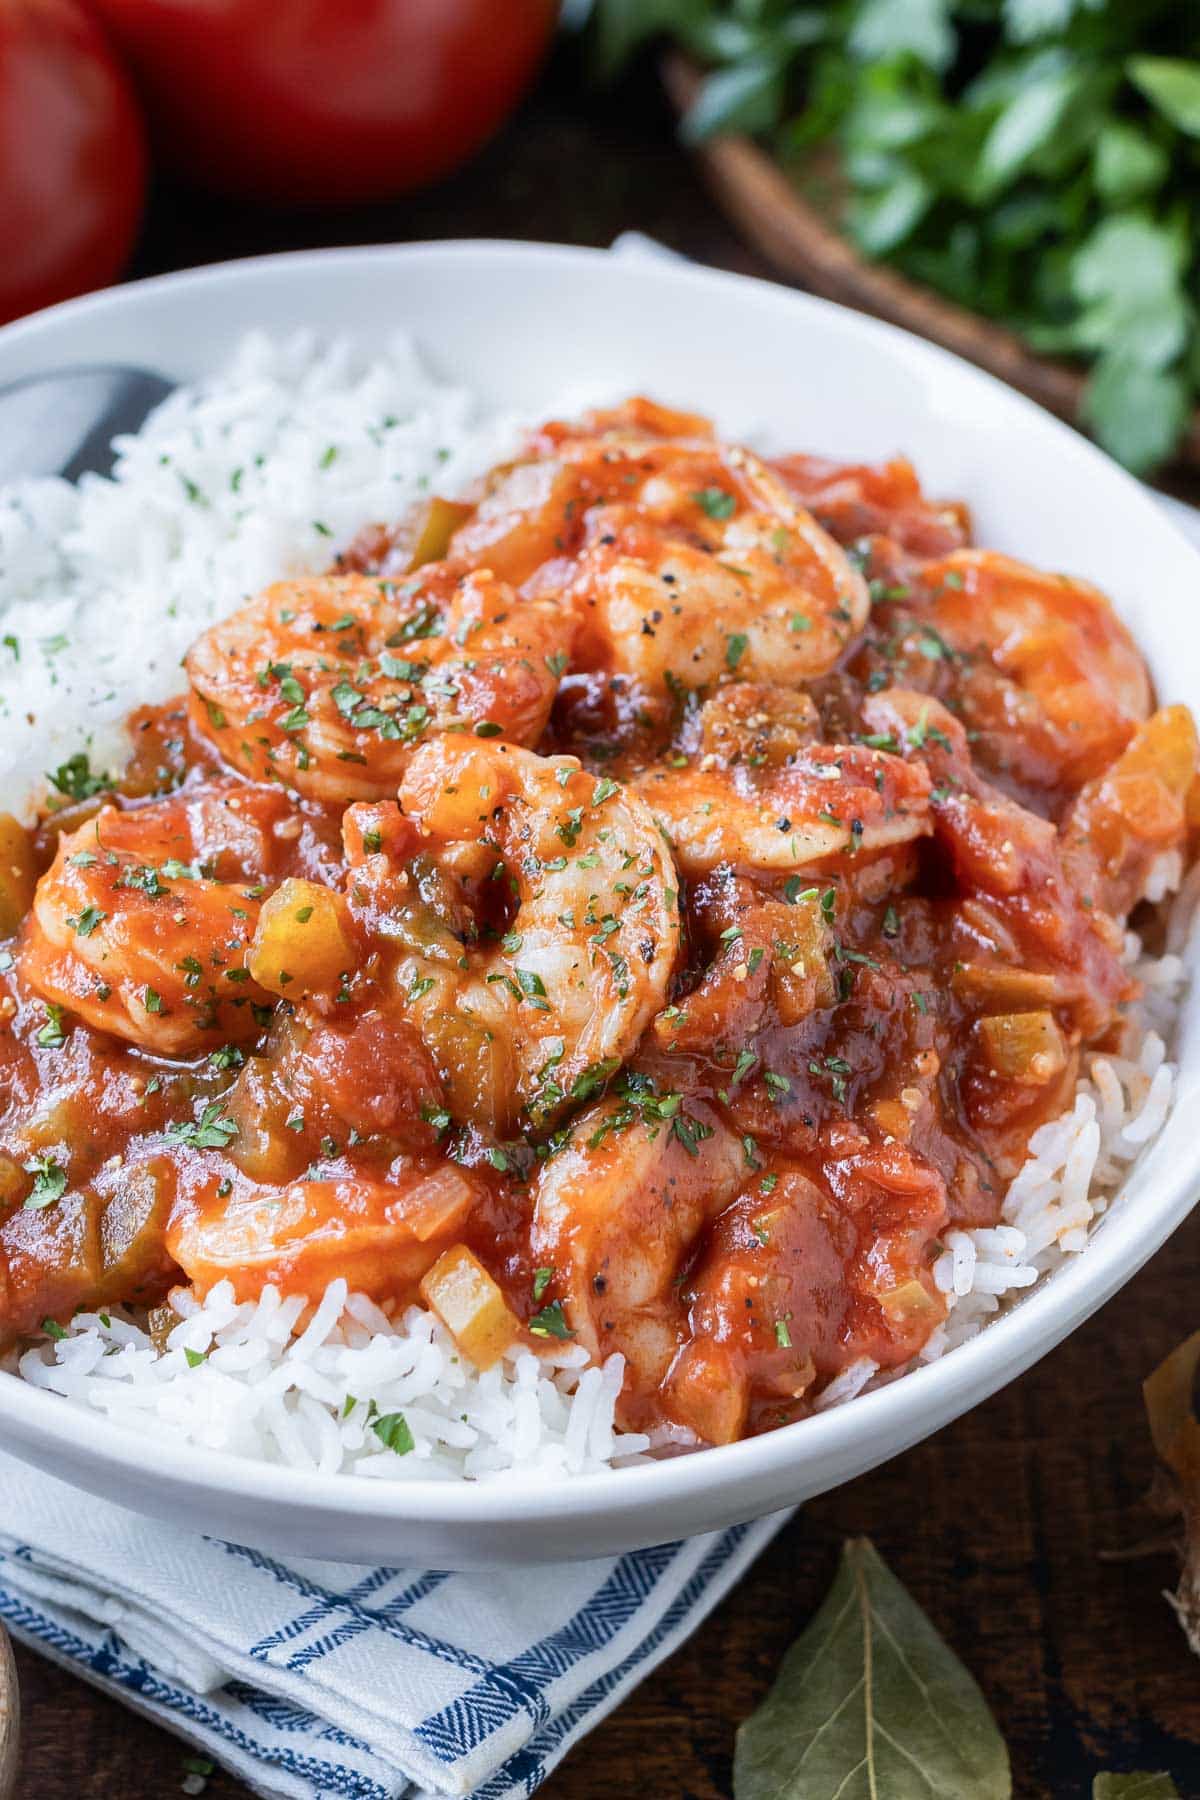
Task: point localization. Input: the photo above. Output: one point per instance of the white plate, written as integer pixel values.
(522, 324)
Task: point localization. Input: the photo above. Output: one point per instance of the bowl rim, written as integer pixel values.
(900, 1411)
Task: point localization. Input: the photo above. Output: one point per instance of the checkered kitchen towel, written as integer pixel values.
(318, 1679)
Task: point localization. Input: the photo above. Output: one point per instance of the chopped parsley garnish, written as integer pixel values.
(75, 779)
(592, 1080)
(551, 1322)
(837, 1068)
(143, 876)
(86, 923)
(568, 829)
(690, 1132)
(394, 1432)
(541, 1281)
(213, 1130)
(735, 648)
(49, 1183)
(716, 502)
(52, 1036)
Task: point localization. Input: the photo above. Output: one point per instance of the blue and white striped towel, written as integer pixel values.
(316, 1679)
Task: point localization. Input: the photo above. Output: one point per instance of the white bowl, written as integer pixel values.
(522, 324)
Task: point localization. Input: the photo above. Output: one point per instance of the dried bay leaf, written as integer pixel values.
(871, 1704)
(1138, 1786)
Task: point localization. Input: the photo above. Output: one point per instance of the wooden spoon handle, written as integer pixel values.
(10, 1719)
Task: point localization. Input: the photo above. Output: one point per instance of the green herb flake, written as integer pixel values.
(551, 1322)
(394, 1432)
(541, 1281)
(75, 779)
(51, 1035)
(49, 1183)
(715, 502)
(213, 1130)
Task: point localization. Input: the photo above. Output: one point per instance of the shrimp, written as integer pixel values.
(721, 1284)
(530, 511)
(1137, 812)
(701, 565)
(564, 989)
(828, 800)
(859, 500)
(1046, 676)
(684, 559)
(331, 1165)
(329, 684)
(141, 923)
(380, 1235)
(616, 1213)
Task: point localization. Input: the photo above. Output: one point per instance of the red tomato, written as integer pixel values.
(327, 100)
(72, 156)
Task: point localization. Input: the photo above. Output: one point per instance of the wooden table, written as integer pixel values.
(1003, 1524)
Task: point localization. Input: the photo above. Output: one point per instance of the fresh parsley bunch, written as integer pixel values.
(1036, 160)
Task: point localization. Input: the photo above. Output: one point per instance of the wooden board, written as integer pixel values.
(10, 1720)
(768, 209)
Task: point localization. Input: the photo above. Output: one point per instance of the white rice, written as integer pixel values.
(236, 1378)
(264, 472)
(261, 473)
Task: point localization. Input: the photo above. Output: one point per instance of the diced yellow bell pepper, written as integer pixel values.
(433, 528)
(1026, 1046)
(18, 877)
(470, 1306)
(910, 1303)
(302, 944)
